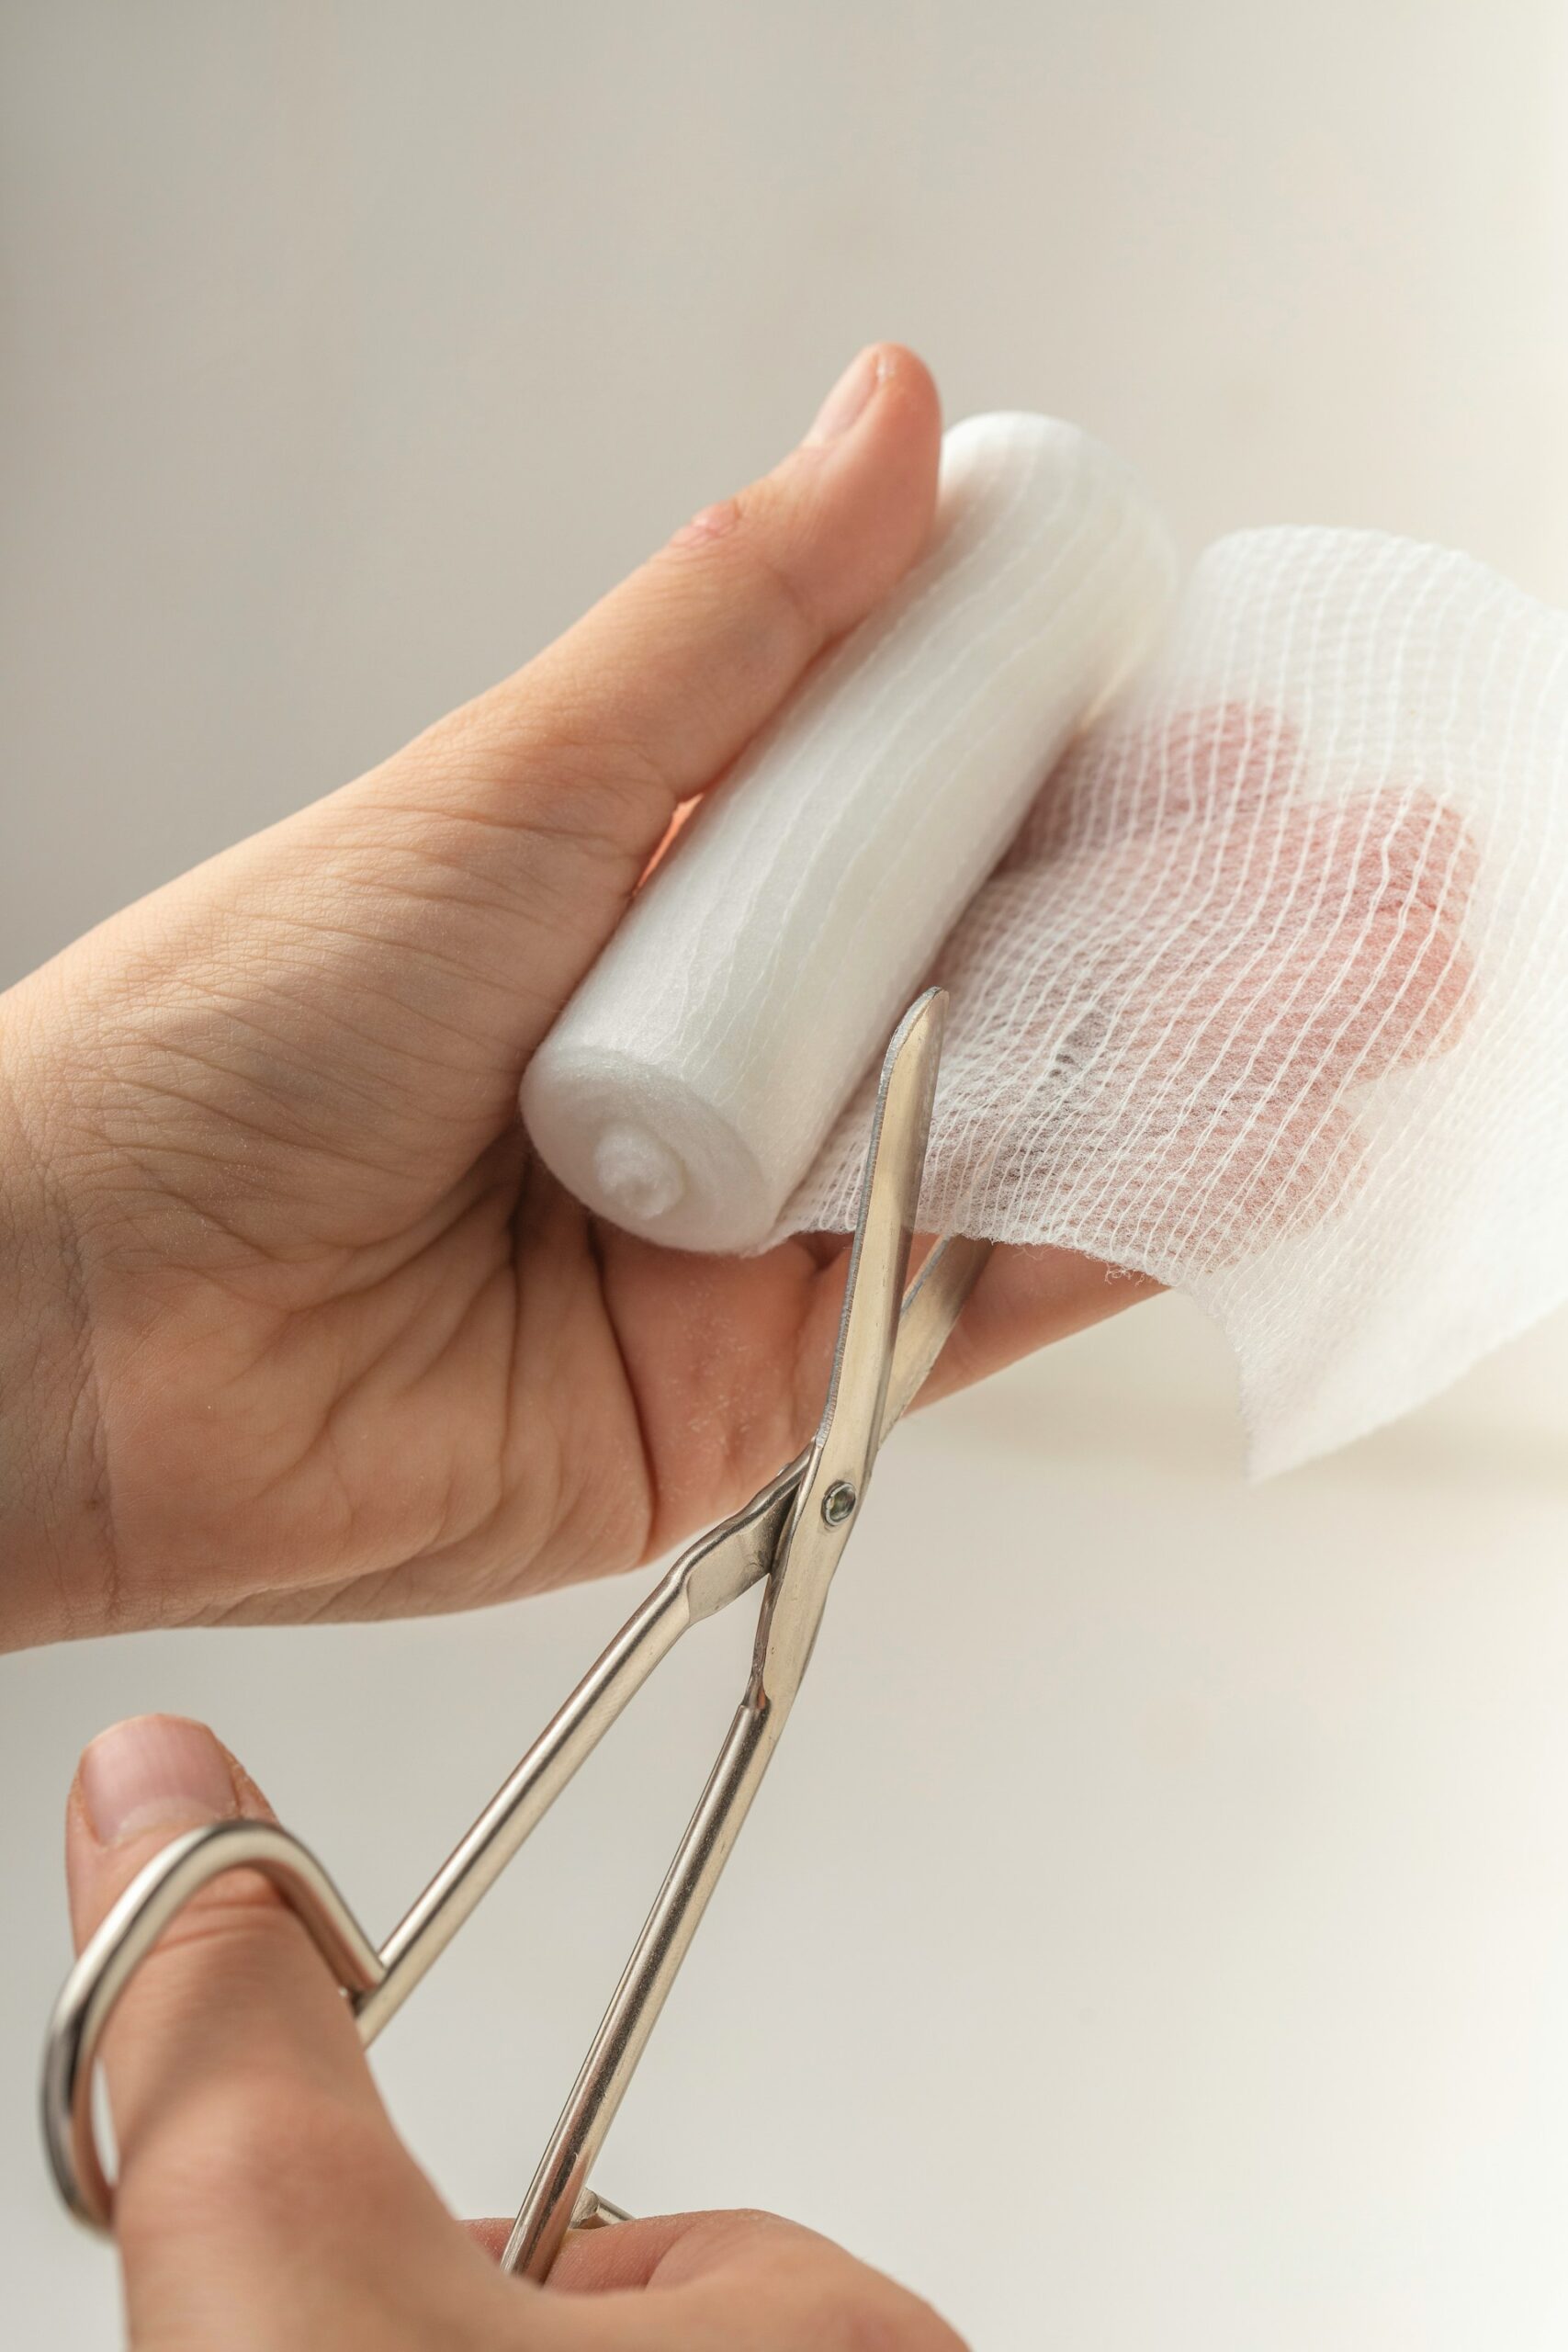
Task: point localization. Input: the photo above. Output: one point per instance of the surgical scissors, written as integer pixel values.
(790, 1537)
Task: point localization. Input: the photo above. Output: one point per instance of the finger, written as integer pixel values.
(687, 658)
(737, 2282)
(754, 1338)
(258, 2173)
(1029, 1295)
(360, 988)
(545, 799)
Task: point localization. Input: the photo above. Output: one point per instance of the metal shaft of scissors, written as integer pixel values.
(791, 1533)
(833, 1481)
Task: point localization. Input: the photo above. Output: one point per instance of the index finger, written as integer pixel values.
(718, 2282)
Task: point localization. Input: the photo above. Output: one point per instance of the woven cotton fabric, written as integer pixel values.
(1269, 996)
(697, 1069)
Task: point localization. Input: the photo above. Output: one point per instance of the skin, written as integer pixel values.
(266, 2204)
(290, 1329)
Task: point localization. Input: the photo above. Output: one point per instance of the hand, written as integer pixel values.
(289, 1324)
(266, 2203)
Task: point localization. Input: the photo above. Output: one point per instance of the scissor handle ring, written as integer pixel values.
(111, 1957)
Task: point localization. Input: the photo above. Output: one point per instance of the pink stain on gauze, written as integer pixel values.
(1269, 997)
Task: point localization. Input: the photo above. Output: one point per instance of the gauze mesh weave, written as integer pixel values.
(696, 1071)
(1270, 997)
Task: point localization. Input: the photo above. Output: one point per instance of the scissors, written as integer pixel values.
(789, 1538)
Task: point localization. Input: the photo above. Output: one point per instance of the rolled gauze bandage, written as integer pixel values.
(692, 1078)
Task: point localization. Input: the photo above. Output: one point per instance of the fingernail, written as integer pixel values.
(847, 399)
(150, 1772)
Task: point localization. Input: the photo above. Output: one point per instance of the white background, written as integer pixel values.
(1155, 1931)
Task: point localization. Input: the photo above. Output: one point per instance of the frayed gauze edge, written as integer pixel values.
(1341, 788)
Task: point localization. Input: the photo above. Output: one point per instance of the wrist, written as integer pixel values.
(55, 1552)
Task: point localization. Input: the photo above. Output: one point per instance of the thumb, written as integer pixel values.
(546, 797)
(363, 984)
(264, 2196)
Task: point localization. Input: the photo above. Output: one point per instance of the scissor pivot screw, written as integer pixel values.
(837, 1502)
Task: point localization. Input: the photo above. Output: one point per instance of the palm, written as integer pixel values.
(389, 1364)
(392, 1366)
(526, 1399)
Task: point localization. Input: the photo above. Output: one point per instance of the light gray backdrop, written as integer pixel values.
(1156, 1932)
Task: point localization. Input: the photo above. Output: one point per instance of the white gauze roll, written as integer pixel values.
(1269, 996)
(689, 1084)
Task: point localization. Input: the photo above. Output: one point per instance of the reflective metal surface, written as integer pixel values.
(792, 1534)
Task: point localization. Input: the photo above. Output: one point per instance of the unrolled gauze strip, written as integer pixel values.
(1269, 996)
(692, 1079)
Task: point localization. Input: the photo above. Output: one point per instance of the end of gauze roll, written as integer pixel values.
(645, 1150)
(638, 1175)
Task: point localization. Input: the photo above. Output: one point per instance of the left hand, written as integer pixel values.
(288, 1324)
(264, 2202)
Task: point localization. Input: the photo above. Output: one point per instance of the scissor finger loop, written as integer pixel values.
(143, 1914)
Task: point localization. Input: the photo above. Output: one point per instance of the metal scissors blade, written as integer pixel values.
(790, 1534)
(838, 1465)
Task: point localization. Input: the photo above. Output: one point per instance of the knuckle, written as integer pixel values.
(769, 593)
(712, 524)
